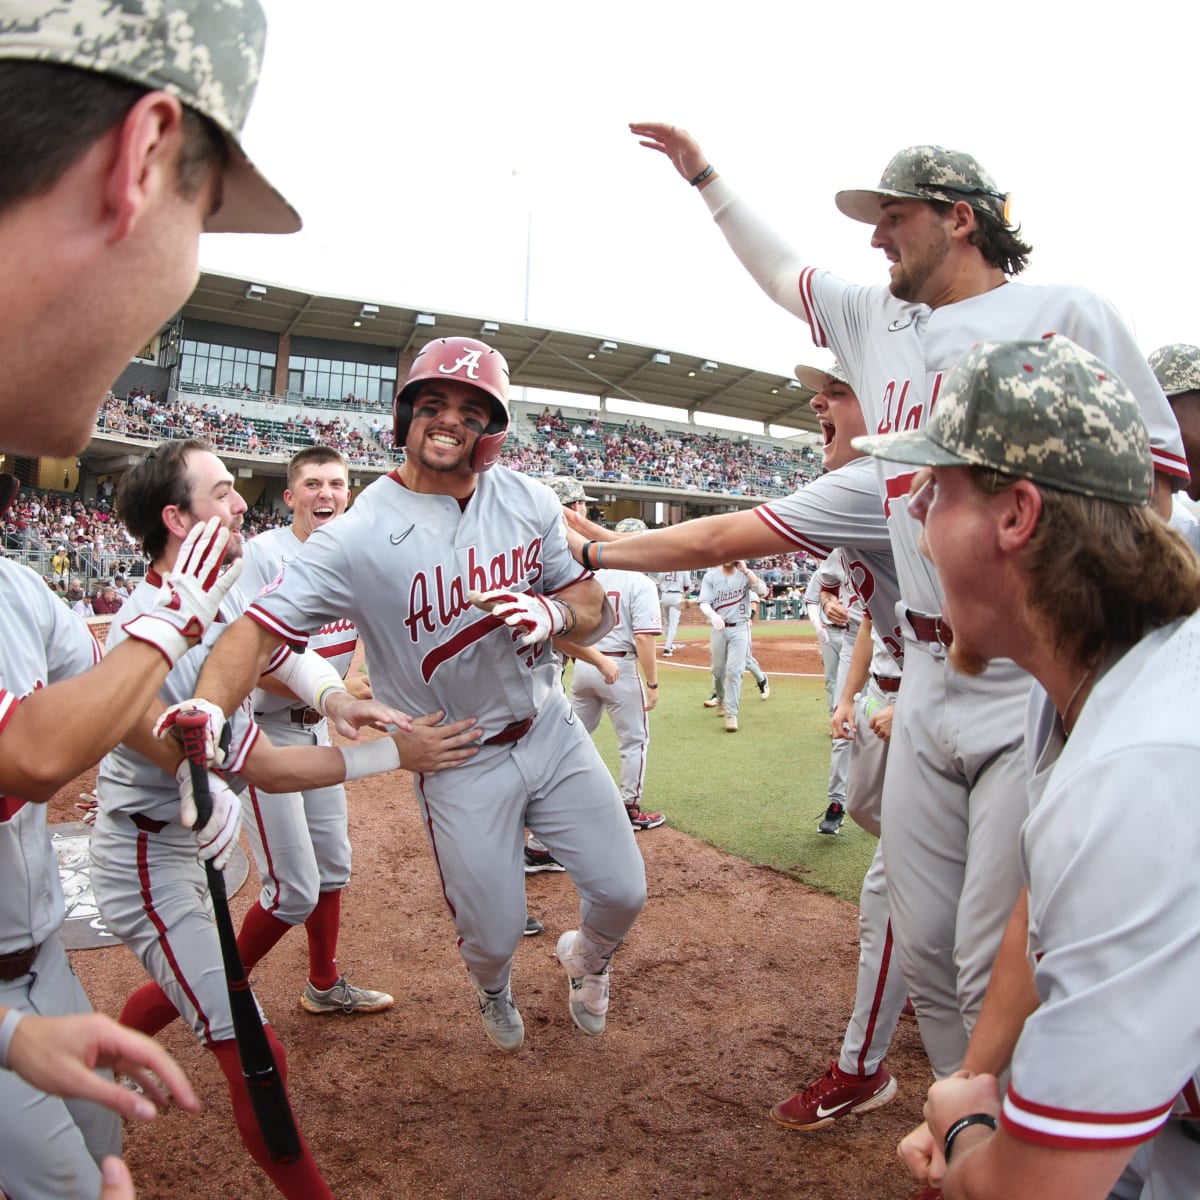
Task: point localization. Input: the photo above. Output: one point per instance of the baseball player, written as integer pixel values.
(456, 575)
(148, 884)
(112, 167)
(1035, 514)
(755, 671)
(301, 841)
(673, 587)
(857, 1081)
(955, 778)
(1177, 369)
(836, 625)
(629, 703)
(724, 600)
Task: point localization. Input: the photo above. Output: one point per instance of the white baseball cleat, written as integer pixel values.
(587, 995)
(731, 725)
(712, 701)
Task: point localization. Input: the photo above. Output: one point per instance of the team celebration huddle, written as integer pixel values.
(1006, 602)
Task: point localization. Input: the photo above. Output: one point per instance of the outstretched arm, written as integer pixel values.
(771, 262)
(58, 1055)
(691, 544)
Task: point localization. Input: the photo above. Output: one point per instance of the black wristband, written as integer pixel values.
(702, 176)
(652, 686)
(979, 1118)
(586, 547)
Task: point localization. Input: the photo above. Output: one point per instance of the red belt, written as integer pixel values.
(934, 630)
(510, 733)
(884, 684)
(148, 824)
(13, 966)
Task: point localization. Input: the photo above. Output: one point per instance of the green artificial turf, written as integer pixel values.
(757, 793)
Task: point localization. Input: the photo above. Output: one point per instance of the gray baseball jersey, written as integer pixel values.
(635, 606)
(400, 564)
(672, 587)
(48, 1146)
(150, 889)
(949, 908)
(1112, 915)
(729, 597)
(300, 840)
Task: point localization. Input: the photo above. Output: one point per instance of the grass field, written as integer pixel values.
(758, 793)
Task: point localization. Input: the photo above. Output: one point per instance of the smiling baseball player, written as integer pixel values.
(456, 574)
(301, 840)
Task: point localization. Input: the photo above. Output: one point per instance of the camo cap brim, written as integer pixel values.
(208, 53)
(928, 173)
(816, 379)
(1047, 411)
(1177, 368)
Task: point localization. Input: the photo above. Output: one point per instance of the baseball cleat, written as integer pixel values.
(533, 927)
(587, 995)
(831, 822)
(344, 998)
(764, 689)
(834, 1095)
(731, 725)
(501, 1020)
(541, 860)
(668, 651)
(712, 701)
(643, 820)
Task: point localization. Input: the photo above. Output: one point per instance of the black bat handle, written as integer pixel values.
(267, 1095)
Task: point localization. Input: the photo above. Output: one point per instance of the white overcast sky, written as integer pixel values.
(416, 140)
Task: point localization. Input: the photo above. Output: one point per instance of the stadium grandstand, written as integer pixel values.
(262, 370)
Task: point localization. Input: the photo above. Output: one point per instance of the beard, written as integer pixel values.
(910, 277)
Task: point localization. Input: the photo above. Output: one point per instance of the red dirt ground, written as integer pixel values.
(732, 990)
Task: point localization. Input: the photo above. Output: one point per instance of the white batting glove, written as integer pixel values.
(216, 840)
(190, 595)
(540, 618)
(165, 725)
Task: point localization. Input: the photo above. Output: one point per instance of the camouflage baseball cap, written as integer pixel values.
(928, 173)
(630, 525)
(567, 489)
(208, 53)
(1177, 368)
(816, 378)
(1047, 411)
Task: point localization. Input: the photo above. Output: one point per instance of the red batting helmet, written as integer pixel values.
(468, 361)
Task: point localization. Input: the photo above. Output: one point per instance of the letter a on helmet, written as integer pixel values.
(472, 362)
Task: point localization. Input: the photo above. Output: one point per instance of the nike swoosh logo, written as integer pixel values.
(397, 538)
(823, 1112)
(897, 325)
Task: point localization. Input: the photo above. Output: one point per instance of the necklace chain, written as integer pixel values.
(1066, 713)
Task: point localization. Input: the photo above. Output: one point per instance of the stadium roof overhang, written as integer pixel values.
(590, 365)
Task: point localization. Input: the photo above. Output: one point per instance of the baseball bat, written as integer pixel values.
(263, 1079)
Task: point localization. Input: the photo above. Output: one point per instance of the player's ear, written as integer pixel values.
(1019, 513)
(176, 522)
(144, 161)
(963, 220)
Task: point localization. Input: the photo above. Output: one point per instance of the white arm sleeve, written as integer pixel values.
(309, 677)
(772, 263)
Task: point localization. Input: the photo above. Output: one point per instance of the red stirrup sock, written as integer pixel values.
(322, 928)
(259, 933)
(148, 1010)
(300, 1180)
